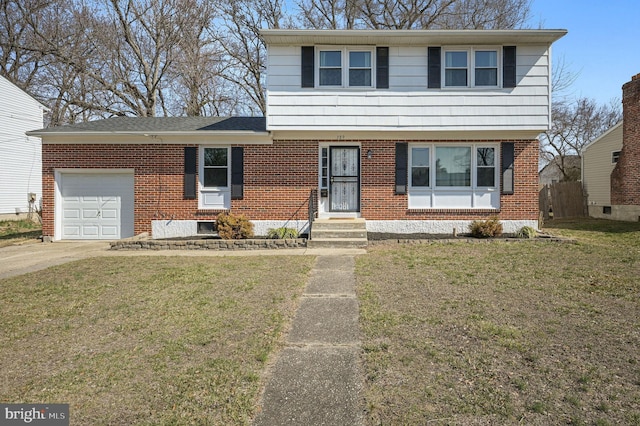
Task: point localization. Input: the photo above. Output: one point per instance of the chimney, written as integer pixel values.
(625, 178)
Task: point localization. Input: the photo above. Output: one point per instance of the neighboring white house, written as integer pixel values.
(20, 155)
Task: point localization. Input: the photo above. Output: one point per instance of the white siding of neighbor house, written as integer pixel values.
(597, 167)
(20, 155)
(408, 104)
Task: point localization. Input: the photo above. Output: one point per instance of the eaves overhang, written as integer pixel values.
(286, 37)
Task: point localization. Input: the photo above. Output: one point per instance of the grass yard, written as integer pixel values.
(504, 333)
(16, 231)
(147, 340)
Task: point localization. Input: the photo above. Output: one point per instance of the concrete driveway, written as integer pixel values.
(22, 258)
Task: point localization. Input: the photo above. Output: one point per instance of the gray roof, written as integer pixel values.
(162, 125)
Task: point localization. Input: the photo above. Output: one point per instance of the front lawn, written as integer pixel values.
(16, 231)
(147, 340)
(504, 333)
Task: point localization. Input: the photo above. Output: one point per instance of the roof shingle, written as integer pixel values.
(163, 124)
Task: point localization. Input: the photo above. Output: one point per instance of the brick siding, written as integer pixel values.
(277, 181)
(625, 178)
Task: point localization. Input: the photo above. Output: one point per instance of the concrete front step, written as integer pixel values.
(339, 233)
(337, 243)
(356, 223)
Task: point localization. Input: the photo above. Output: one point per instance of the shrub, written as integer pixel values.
(526, 232)
(282, 233)
(232, 227)
(486, 228)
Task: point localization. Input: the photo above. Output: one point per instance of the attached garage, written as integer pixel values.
(95, 205)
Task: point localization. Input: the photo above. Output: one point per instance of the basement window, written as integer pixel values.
(615, 156)
(207, 228)
(606, 209)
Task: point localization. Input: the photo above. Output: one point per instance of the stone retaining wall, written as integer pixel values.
(213, 244)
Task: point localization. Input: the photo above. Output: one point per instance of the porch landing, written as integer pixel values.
(338, 233)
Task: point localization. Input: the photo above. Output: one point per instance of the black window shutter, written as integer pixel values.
(382, 67)
(508, 158)
(190, 167)
(237, 173)
(307, 69)
(434, 58)
(509, 66)
(402, 160)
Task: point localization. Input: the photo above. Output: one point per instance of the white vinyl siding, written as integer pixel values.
(20, 155)
(597, 167)
(407, 104)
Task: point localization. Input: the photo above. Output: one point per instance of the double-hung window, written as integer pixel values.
(456, 68)
(486, 67)
(330, 71)
(485, 167)
(360, 68)
(453, 176)
(216, 167)
(471, 68)
(420, 167)
(345, 68)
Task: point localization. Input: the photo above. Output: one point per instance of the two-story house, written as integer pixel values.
(412, 131)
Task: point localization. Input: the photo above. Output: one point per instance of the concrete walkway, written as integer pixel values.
(317, 378)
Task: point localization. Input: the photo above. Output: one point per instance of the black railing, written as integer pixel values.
(313, 208)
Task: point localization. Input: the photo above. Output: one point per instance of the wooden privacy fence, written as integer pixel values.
(562, 199)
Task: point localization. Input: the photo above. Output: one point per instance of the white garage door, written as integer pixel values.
(96, 206)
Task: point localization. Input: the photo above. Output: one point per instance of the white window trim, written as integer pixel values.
(222, 192)
(345, 66)
(434, 191)
(471, 66)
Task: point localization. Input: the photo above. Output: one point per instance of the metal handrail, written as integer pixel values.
(313, 208)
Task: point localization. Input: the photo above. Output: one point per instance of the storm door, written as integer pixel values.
(344, 191)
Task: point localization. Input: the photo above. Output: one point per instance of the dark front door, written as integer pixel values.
(344, 178)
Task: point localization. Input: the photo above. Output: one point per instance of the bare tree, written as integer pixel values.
(575, 124)
(329, 14)
(20, 57)
(195, 79)
(246, 51)
(414, 14)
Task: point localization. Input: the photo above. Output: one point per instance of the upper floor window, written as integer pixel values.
(471, 68)
(486, 67)
(455, 69)
(330, 69)
(358, 71)
(360, 68)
